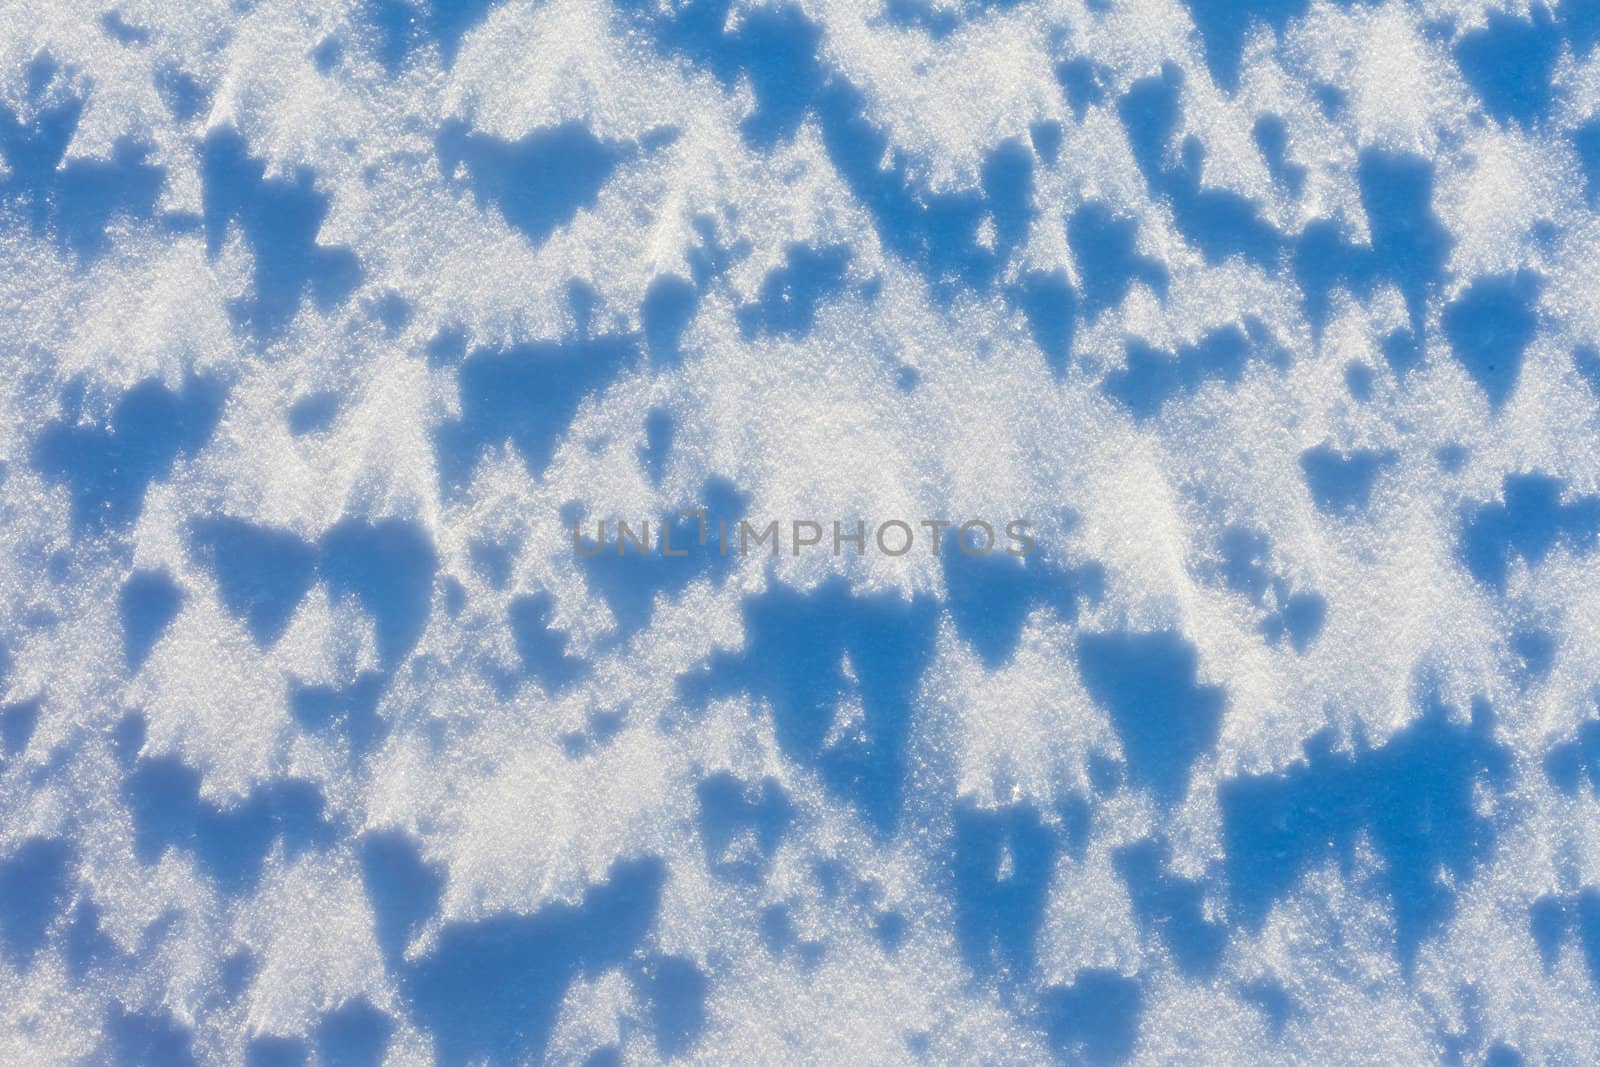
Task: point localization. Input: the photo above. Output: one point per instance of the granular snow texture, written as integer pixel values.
(323, 323)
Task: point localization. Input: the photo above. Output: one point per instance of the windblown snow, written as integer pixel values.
(323, 324)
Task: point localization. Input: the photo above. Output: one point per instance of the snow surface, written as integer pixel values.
(322, 322)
